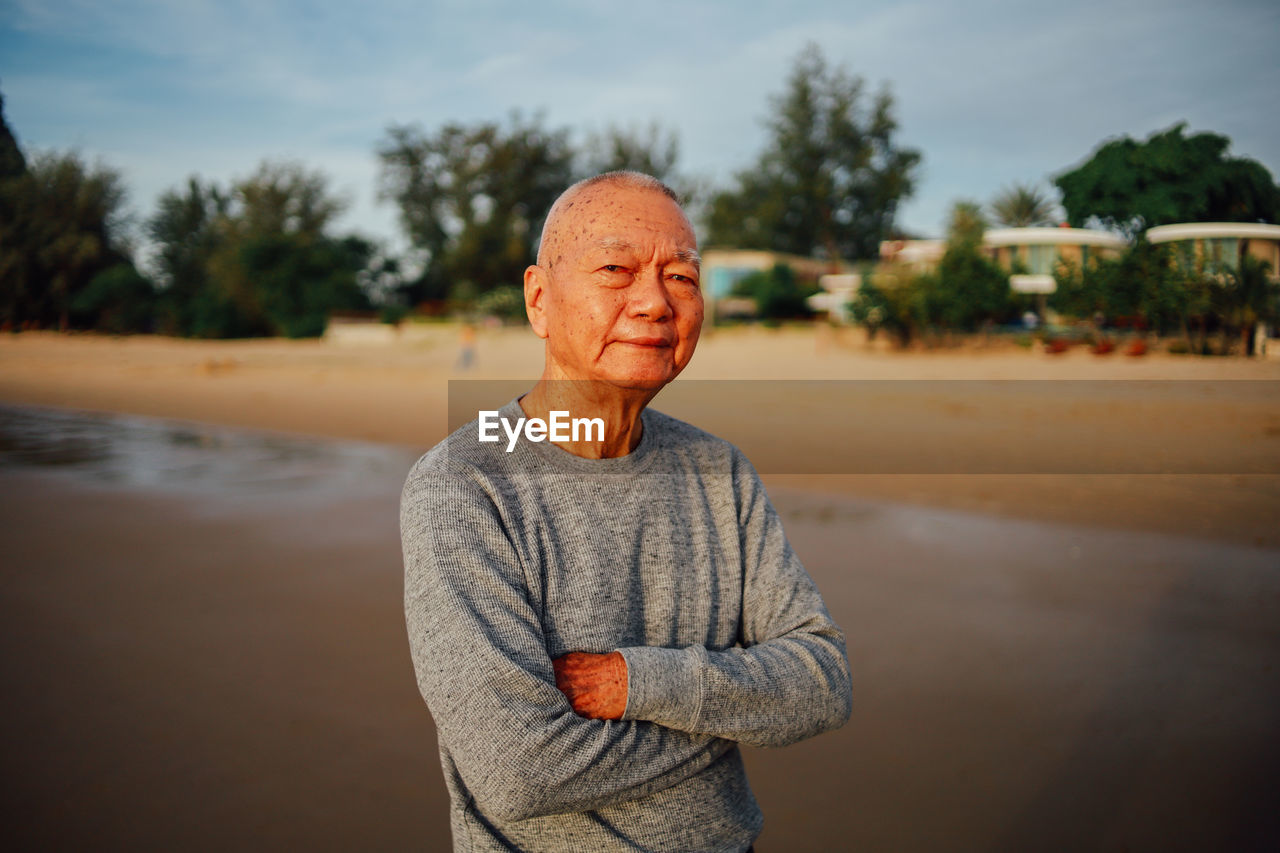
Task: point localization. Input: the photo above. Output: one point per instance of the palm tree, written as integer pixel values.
(1252, 297)
(966, 223)
(1022, 205)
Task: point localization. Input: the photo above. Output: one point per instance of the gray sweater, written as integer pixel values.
(673, 555)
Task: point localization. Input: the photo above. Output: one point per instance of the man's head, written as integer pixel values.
(616, 290)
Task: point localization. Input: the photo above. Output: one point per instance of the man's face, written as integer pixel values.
(618, 297)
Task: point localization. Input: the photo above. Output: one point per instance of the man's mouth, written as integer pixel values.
(647, 342)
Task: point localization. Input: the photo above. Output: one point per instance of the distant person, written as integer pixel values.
(597, 622)
(466, 347)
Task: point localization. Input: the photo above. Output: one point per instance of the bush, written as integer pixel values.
(117, 300)
(299, 282)
(392, 314)
(505, 302)
(778, 294)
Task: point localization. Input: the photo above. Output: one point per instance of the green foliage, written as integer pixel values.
(778, 294)
(651, 151)
(1248, 295)
(831, 177)
(1131, 186)
(966, 224)
(12, 162)
(894, 302)
(1078, 291)
(474, 198)
(1022, 206)
(256, 259)
(967, 291)
(187, 233)
(60, 225)
(301, 280)
(393, 314)
(1143, 282)
(118, 300)
(505, 302)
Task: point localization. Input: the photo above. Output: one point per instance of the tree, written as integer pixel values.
(62, 226)
(967, 290)
(893, 300)
(651, 151)
(1248, 296)
(118, 300)
(15, 273)
(777, 292)
(275, 220)
(963, 294)
(63, 258)
(831, 176)
(1142, 282)
(966, 224)
(1131, 186)
(474, 198)
(299, 281)
(12, 162)
(257, 259)
(1022, 206)
(186, 232)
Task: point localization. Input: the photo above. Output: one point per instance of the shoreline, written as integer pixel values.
(398, 395)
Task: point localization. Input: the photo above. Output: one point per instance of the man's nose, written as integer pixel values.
(649, 296)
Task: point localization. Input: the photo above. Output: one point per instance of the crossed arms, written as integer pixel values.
(531, 736)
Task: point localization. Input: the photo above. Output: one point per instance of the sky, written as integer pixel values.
(991, 92)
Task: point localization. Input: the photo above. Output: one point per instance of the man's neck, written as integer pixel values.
(619, 408)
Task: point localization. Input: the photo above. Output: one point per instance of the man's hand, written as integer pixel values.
(595, 684)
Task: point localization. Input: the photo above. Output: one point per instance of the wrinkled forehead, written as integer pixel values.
(617, 216)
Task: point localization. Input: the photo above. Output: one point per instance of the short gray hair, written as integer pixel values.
(617, 178)
(626, 178)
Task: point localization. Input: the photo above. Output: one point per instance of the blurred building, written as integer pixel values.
(1032, 254)
(1029, 254)
(722, 269)
(838, 290)
(912, 255)
(1219, 246)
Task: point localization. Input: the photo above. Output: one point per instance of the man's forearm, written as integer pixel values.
(770, 694)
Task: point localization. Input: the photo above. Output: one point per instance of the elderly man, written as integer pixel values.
(598, 619)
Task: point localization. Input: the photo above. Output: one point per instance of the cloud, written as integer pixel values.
(991, 91)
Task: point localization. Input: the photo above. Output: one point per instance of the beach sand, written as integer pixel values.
(399, 393)
(1041, 661)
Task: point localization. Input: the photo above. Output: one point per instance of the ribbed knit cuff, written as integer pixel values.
(663, 685)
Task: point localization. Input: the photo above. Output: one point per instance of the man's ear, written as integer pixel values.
(535, 298)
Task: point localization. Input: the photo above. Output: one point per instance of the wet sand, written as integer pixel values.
(1041, 661)
(398, 393)
(185, 680)
(183, 676)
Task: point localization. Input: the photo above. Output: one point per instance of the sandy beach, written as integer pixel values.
(1224, 413)
(1043, 660)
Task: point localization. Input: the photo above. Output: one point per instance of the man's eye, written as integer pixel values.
(612, 268)
(684, 279)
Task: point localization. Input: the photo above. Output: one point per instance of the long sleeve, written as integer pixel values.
(789, 677)
(482, 665)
